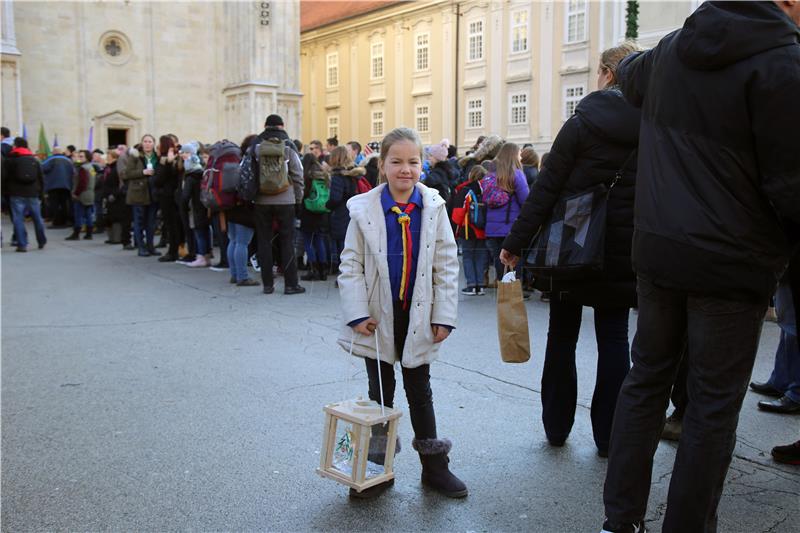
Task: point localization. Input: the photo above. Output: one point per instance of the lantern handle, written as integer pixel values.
(378, 357)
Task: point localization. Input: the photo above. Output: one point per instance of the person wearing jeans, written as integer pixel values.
(19, 204)
(784, 382)
(144, 227)
(240, 233)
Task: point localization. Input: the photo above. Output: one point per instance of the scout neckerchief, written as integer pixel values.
(404, 219)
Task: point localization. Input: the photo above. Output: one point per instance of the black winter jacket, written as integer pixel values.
(718, 197)
(591, 147)
(439, 178)
(22, 175)
(343, 187)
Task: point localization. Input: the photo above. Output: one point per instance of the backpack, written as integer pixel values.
(273, 167)
(218, 188)
(493, 195)
(363, 185)
(318, 197)
(247, 185)
(477, 211)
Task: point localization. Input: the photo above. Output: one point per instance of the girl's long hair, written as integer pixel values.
(506, 165)
(165, 142)
(339, 158)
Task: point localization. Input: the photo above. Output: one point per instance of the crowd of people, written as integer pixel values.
(697, 243)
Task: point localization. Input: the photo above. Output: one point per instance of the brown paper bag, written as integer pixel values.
(512, 323)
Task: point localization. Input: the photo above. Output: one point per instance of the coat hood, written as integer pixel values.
(359, 204)
(353, 172)
(719, 34)
(19, 151)
(610, 116)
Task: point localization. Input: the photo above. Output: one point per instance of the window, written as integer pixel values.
(422, 118)
(572, 95)
(377, 123)
(475, 40)
(333, 126)
(475, 113)
(332, 66)
(376, 59)
(576, 21)
(519, 109)
(519, 31)
(422, 52)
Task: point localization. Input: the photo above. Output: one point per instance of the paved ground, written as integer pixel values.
(138, 395)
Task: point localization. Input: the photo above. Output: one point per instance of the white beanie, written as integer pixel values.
(439, 151)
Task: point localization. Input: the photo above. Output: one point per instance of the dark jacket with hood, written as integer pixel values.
(439, 178)
(22, 174)
(314, 222)
(343, 187)
(592, 146)
(718, 197)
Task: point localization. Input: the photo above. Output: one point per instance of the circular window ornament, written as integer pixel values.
(115, 47)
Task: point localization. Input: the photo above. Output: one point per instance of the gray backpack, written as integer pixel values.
(273, 167)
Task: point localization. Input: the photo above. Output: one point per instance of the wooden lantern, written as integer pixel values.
(349, 427)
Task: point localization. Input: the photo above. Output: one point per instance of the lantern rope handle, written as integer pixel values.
(378, 357)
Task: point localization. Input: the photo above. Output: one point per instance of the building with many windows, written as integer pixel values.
(460, 69)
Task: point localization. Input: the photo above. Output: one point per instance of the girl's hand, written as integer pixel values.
(508, 259)
(440, 333)
(148, 172)
(366, 327)
(171, 155)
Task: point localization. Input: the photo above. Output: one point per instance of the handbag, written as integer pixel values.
(571, 244)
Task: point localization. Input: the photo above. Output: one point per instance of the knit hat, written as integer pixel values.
(273, 120)
(439, 151)
(189, 148)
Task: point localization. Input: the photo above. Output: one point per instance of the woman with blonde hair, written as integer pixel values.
(596, 143)
(504, 192)
(344, 177)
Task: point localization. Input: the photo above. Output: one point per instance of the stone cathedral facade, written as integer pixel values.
(201, 70)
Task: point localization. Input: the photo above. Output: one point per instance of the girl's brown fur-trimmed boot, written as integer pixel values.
(435, 471)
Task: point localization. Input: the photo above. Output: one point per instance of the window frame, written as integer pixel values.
(568, 12)
(470, 36)
(568, 99)
(329, 65)
(372, 60)
(513, 25)
(373, 122)
(468, 123)
(427, 49)
(512, 106)
(426, 116)
(334, 118)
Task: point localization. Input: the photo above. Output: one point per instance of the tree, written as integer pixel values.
(632, 20)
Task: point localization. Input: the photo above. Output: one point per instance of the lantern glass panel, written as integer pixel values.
(345, 452)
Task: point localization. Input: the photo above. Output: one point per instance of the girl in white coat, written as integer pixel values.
(399, 281)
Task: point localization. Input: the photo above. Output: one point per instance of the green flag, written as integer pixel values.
(44, 146)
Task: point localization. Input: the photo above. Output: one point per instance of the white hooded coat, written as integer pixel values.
(365, 289)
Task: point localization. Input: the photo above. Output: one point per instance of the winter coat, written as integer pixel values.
(343, 187)
(500, 219)
(22, 174)
(112, 192)
(294, 194)
(439, 178)
(58, 171)
(589, 150)
(364, 286)
(137, 182)
(531, 174)
(242, 214)
(718, 193)
(83, 184)
(165, 180)
(314, 222)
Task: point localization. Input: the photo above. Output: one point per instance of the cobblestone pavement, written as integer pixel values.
(139, 395)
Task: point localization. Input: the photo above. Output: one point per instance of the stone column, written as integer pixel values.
(261, 69)
(10, 72)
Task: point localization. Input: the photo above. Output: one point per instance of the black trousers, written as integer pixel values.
(172, 225)
(264, 217)
(59, 202)
(182, 199)
(679, 395)
(722, 342)
(416, 382)
(560, 380)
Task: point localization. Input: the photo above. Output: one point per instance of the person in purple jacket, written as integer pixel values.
(506, 182)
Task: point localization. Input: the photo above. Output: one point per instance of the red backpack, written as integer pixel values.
(221, 177)
(362, 185)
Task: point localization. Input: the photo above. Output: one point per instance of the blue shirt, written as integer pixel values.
(394, 240)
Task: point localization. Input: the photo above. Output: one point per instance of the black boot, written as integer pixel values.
(322, 271)
(377, 455)
(311, 275)
(76, 234)
(89, 232)
(435, 473)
